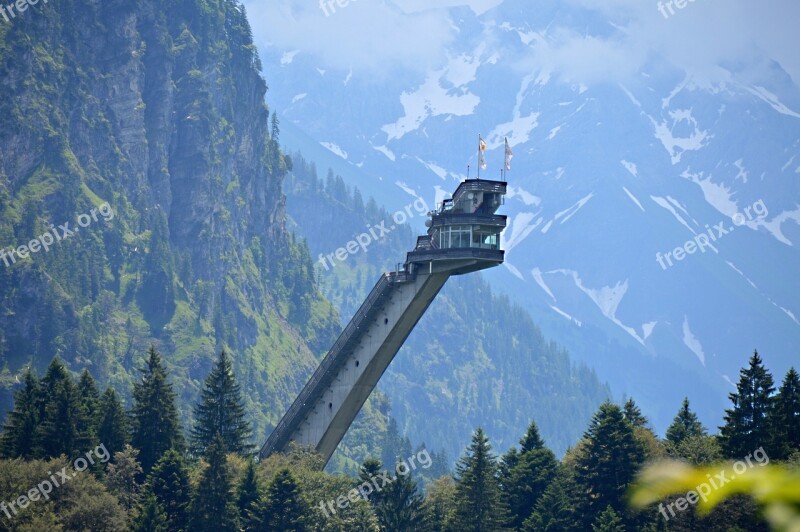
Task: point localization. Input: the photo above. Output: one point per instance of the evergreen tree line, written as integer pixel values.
(528, 489)
(158, 481)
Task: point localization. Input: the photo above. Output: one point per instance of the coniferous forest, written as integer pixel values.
(149, 473)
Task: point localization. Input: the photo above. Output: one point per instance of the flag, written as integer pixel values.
(481, 150)
(509, 155)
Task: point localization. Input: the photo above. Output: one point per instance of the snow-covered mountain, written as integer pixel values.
(634, 134)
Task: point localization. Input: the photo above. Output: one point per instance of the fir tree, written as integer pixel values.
(747, 424)
(221, 411)
(249, 498)
(439, 505)
(113, 422)
(400, 505)
(556, 509)
(65, 427)
(156, 428)
(90, 403)
(169, 483)
(786, 417)
(285, 509)
(634, 414)
(608, 463)
(697, 450)
(479, 504)
(122, 475)
(685, 425)
(19, 437)
(526, 475)
(395, 446)
(369, 470)
(608, 521)
(213, 508)
(151, 517)
(90, 396)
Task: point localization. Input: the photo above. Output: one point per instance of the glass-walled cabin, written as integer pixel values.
(468, 219)
(469, 236)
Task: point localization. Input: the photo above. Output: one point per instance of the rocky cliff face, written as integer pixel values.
(156, 108)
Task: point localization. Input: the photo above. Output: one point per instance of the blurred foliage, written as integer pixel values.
(774, 488)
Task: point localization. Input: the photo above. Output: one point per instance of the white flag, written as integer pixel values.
(509, 155)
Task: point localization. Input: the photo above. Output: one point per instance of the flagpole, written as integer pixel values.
(479, 156)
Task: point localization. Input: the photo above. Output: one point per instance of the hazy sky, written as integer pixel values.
(380, 35)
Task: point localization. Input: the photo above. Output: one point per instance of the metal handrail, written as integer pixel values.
(331, 362)
(455, 253)
(469, 219)
(497, 187)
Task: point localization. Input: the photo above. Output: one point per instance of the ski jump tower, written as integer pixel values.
(463, 237)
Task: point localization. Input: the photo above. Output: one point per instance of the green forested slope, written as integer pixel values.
(156, 108)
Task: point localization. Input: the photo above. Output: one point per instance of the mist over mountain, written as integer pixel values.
(654, 205)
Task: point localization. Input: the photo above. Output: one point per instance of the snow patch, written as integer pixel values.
(288, 57)
(406, 188)
(630, 167)
(334, 148)
(607, 300)
(526, 197)
(574, 209)
(774, 225)
(661, 202)
(386, 151)
(564, 314)
(517, 130)
(633, 198)
(436, 169)
(772, 100)
(742, 172)
(737, 270)
(691, 341)
(630, 96)
(510, 267)
(433, 99)
(677, 146)
(716, 194)
(521, 226)
(299, 97)
(537, 276)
